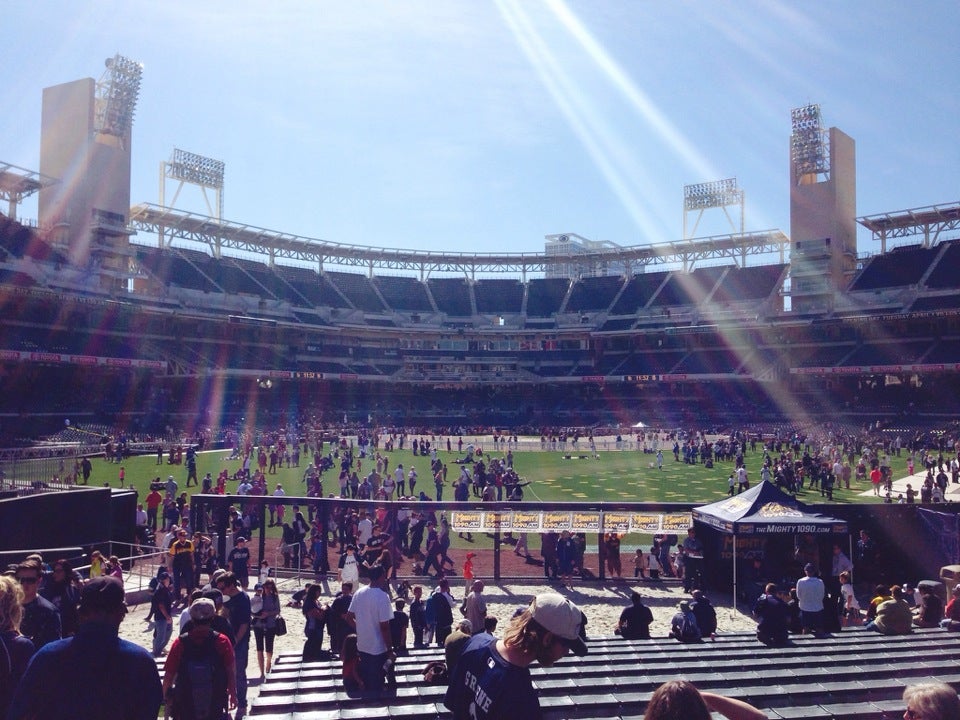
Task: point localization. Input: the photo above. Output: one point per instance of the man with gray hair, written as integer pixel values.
(931, 701)
(475, 606)
(456, 641)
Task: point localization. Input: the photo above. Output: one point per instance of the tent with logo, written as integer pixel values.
(764, 509)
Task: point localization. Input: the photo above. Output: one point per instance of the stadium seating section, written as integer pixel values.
(852, 675)
(404, 342)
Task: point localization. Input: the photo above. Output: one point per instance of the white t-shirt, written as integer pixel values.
(810, 592)
(849, 599)
(371, 606)
(364, 531)
(350, 572)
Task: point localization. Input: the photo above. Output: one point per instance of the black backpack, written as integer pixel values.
(200, 691)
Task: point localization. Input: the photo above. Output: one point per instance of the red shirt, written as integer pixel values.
(154, 499)
(199, 633)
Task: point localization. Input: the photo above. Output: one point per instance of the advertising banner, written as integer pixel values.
(576, 521)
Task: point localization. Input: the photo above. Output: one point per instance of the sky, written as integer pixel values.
(484, 125)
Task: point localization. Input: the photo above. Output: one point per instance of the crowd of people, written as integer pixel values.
(50, 616)
(371, 620)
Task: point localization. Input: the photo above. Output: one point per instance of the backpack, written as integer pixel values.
(430, 607)
(200, 692)
(688, 630)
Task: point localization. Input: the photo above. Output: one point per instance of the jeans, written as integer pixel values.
(162, 629)
(241, 651)
(372, 672)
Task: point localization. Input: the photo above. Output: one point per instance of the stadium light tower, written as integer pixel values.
(704, 196)
(823, 210)
(116, 97)
(809, 147)
(204, 172)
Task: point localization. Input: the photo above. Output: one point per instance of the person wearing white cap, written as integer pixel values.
(492, 677)
(201, 647)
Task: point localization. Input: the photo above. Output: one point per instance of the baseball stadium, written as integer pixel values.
(608, 393)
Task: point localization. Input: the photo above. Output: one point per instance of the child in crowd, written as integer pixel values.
(350, 655)
(653, 564)
(97, 565)
(639, 564)
(468, 572)
(418, 616)
(398, 627)
(851, 608)
(264, 571)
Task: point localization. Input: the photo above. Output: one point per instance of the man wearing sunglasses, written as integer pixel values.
(41, 620)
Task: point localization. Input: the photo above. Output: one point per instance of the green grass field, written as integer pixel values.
(627, 476)
(614, 477)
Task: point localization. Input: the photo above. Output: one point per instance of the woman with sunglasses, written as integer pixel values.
(265, 623)
(62, 588)
(931, 701)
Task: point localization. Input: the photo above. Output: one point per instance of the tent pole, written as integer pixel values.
(733, 605)
(850, 552)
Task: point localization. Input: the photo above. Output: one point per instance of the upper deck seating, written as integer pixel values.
(901, 266)
(498, 295)
(234, 280)
(403, 293)
(944, 274)
(688, 288)
(452, 296)
(637, 293)
(358, 290)
(749, 283)
(314, 288)
(594, 293)
(545, 295)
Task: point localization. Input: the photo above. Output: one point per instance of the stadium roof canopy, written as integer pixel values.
(17, 183)
(169, 224)
(927, 221)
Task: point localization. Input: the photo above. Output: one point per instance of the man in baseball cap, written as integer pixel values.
(562, 618)
(103, 594)
(135, 692)
(492, 677)
(176, 688)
